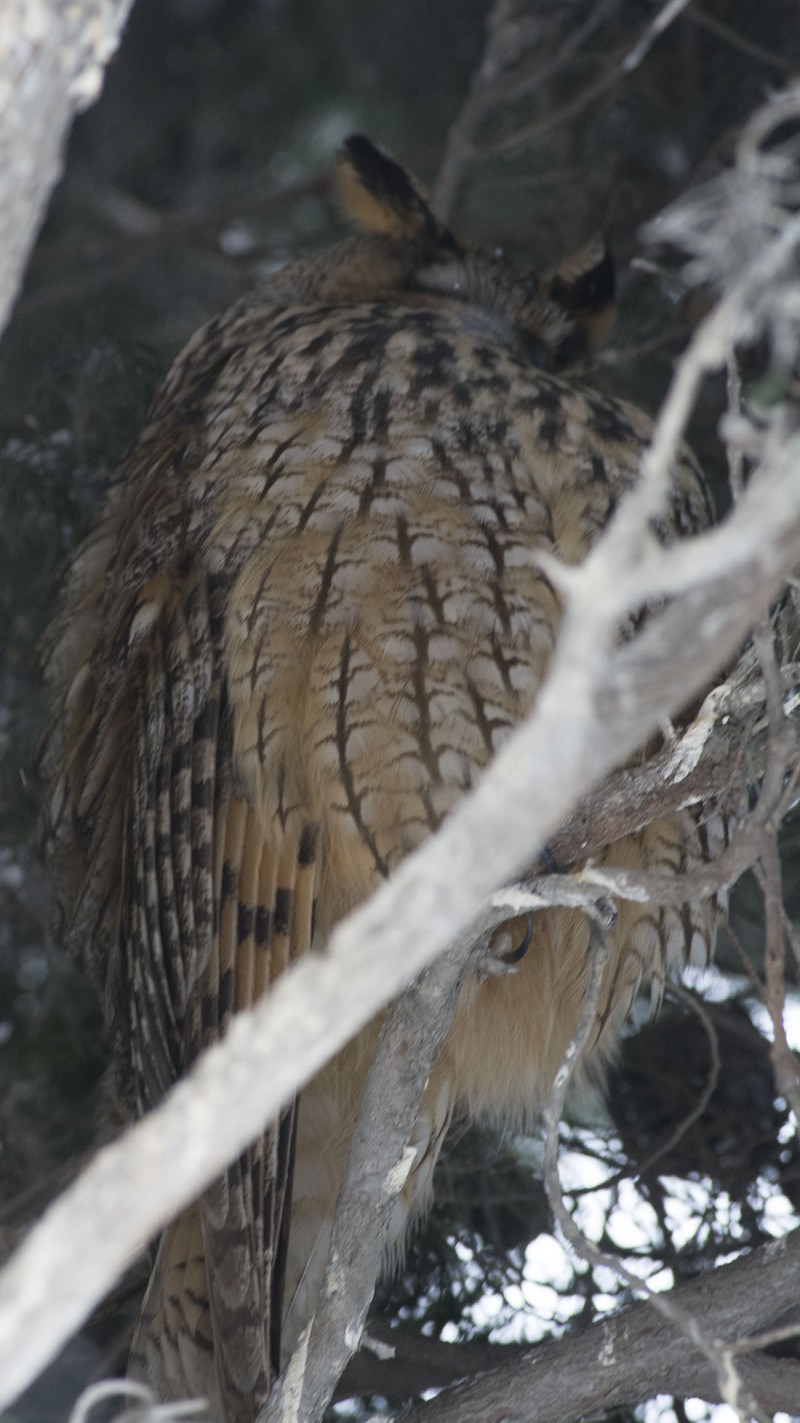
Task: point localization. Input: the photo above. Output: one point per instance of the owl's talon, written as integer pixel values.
(518, 953)
(502, 955)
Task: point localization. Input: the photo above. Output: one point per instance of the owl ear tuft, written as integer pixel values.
(584, 286)
(378, 196)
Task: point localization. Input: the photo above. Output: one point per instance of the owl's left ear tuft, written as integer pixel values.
(378, 196)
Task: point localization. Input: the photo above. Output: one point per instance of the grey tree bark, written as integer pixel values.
(52, 60)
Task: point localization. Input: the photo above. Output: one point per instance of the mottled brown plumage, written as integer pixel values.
(311, 611)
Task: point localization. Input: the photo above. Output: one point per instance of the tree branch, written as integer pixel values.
(378, 1165)
(636, 1354)
(54, 56)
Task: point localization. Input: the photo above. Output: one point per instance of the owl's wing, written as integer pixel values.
(210, 905)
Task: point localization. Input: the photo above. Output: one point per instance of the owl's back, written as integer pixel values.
(312, 610)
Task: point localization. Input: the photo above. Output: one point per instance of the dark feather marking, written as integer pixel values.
(422, 702)
(434, 600)
(326, 581)
(283, 911)
(353, 803)
(481, 718)
(245, 923)
(307, 851)
(287, 1138)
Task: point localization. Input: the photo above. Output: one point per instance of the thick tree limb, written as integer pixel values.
(405, 1365)
(635, 1354)
(52, 58)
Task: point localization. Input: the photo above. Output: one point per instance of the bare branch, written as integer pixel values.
(411, 1363)
(755, 51)
(719, 752)
(666, 16)
(378, 1165)
(54, 56)
(143, 1406)
(513, 37)
(419, 1363)
(784, 1061)
(482, 97)
(708, 1089)
(634, 1354)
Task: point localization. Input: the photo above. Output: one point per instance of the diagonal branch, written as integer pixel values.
(54, 56)
(635, 1354)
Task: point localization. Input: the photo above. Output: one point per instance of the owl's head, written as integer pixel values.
(555, 318)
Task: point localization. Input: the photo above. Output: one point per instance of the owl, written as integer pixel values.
(311, 610)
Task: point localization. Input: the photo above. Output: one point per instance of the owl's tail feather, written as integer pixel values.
(211, 1321)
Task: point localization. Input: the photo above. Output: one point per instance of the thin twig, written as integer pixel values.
(143, 1407)
(759, 52)
(666, 16)
(784, 1062)
(689, 1000)
(734, 451)
(480, 98)
(539, 128)
(768, 1339)
(510, 36)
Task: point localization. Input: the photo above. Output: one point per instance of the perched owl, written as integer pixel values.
(311, 611)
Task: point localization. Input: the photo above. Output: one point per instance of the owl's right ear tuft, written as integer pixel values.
(378, 196)
(583, 285)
